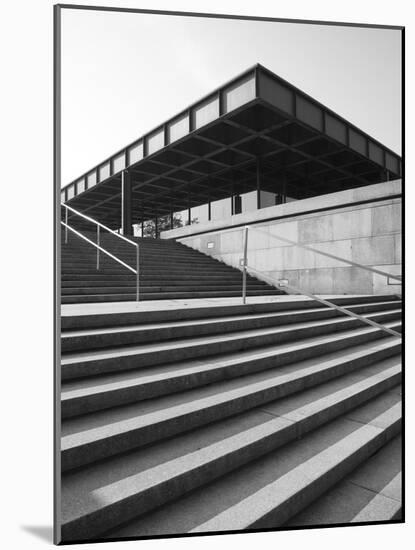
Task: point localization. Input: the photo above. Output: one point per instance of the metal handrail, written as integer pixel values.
(328, 255)
(100, 248)
(246, 267)
(328, 303)
(99, 224)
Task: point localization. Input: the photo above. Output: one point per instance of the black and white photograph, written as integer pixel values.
(214, 247)
(230, 274)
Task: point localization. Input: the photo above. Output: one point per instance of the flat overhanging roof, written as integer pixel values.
(214, 148)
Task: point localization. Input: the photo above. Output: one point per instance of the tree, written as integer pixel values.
(163, 224)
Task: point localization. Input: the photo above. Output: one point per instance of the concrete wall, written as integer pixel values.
(369, 234)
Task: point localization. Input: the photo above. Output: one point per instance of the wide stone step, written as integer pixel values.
(109, 287)
(372, 492)
(147, 247)
(220, 269)
(145, 355)
(123, 273)
(107, 494)
(88, 438)
(78, 299)
(107, 237)
(82, 340)
(150, 281)
(73, 267)
(80, 290)
(144, 262)
(155, 253)
(271, 504)
(177, 267)
(145, 255)
(108, 317)
(97, 276)
(87, 249)
(97, 393)
(270, 490)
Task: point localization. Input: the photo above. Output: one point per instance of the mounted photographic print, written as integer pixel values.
(228, 200)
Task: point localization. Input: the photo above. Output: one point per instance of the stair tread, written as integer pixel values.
(123, 297)
(210, 419)
(156, 258)
(108, 316)
(358, 497)
(206, 321)
(143, 415)
(276, 490)
(107, 482)
(124, 351)
(164, 293)
(159, 373)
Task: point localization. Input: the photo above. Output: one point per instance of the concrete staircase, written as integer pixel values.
(229, 417)
(168, 270)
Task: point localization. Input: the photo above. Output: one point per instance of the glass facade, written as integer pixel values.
(200, 214)
(184, 216)
(249, 201)
(179, 218)
(268, 199)
(221, 209)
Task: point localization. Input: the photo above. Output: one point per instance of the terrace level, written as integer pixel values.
(256, 141)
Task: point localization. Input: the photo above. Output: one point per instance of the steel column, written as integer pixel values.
(98, 243)
(66, 226)
(284, 188)
(137, 266)
(232, 204)
(245, 264)
(209, 202)
(126, 204)
(258, 184)
(189, 213)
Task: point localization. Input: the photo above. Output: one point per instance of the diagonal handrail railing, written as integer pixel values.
(98, 224)
(98, 246)
(327, 303)
(280, 284)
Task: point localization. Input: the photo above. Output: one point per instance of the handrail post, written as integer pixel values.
(66, 227)
(98, 243)
(138, 273)
(245, 262)
(102, 249)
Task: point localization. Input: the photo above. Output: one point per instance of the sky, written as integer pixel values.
(123, 74)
